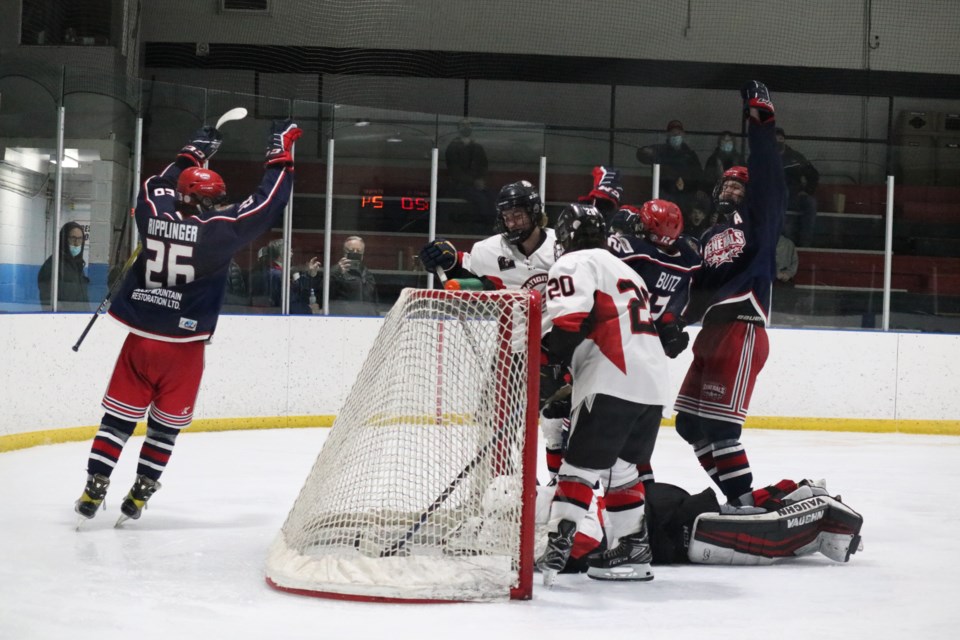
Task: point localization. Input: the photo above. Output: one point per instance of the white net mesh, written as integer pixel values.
(417, 492)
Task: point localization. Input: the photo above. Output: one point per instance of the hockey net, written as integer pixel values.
(425, 487)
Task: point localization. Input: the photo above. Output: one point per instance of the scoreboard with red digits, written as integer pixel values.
(406, 201)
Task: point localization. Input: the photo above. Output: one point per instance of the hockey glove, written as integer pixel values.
(439, 253)
(203, 144)
(282, 136)
(673, 338)
(607, 190)
(756, 96)
(627, 221)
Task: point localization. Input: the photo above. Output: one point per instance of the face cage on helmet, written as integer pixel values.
(718, 189)
(516, 236)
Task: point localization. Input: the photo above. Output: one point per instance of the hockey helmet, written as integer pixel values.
(662, 222)
(201, 188)
(722, 205)
(580, 226)
(520, 195)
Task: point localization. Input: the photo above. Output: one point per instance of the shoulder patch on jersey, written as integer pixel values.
(724, 247)
(506, 263)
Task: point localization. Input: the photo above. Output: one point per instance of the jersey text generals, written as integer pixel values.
(739, 253)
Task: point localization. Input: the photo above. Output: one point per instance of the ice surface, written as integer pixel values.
(191, 567)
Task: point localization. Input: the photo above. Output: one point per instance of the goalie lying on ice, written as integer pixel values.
(788, 519)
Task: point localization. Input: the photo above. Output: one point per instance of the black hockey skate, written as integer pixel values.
(93, 495)
(629, 560)
(132, 506)
(559, 546)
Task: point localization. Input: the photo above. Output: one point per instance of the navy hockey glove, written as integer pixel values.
(283, 134)
(673, 338)
(203, 144)
(439, 253)
(627, 221)
(756, 96)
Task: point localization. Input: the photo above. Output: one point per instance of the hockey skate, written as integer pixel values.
(92, 498)
(629, 560)
(559, 546)
(133, 505)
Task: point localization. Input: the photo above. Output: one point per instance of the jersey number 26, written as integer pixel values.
(168, 266)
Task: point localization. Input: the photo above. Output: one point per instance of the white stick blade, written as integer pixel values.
(237, 113)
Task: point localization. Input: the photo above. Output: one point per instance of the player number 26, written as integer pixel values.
(164, 267)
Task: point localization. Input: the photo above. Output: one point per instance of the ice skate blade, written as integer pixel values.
(120, 521)
(635, 573)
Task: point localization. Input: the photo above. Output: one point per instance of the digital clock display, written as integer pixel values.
(411, 200)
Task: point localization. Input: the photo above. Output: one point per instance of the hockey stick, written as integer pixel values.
(106, 300)
(237, 113)
(397, 546)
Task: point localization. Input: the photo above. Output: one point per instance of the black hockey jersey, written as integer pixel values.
(739, 253)
(668, 276)
(175, 289)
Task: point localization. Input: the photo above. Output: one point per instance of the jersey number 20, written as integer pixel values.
(168, 266)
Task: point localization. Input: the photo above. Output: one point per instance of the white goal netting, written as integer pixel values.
(425, 488)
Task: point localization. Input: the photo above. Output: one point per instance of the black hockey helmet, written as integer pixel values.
(580, 226)
(520, 195)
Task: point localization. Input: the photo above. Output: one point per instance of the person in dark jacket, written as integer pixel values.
(352, 281)
(73, 282)
(680, 170)
(724, 156)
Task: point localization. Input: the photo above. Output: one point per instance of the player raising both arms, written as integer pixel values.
(170, 301)
(598, 324)
(732, 297)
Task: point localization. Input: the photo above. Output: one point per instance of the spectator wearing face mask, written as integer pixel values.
(72, 286)
(680, 170)
(724, 156)
(352, 281)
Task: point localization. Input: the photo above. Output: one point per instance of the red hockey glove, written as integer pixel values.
(282, 136)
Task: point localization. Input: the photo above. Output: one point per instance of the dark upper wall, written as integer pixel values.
(917, 36)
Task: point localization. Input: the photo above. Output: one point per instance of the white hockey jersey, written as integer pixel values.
(503, 264)
(621, 354)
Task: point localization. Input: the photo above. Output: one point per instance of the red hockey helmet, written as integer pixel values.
(722, 207)
(662, 222)
(201, 187)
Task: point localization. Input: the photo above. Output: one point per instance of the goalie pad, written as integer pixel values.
(816, 523)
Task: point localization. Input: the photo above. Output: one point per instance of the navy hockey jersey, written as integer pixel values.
(175, 289)
(668, 276)
(739, 253)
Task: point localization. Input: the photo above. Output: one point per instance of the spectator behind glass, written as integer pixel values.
(352, 284)
(467, 171)
(267, 278)
(72, 287)
(680, 171)
(724, 156)
(698, 220)
(787, 261)
(802, 179)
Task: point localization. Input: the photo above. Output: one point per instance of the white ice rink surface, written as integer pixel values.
(192, 566)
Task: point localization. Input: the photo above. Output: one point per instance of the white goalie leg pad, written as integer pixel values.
(818, 523)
